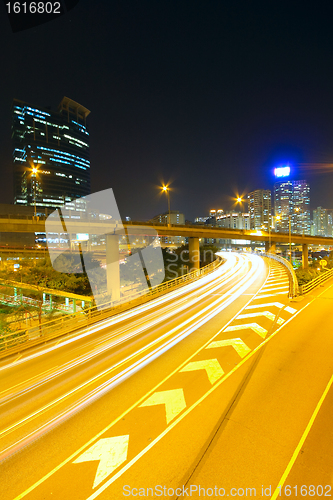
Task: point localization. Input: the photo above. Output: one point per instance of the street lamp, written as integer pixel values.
(34, 172)
(290, 240)
(298, 209)
(167, 191)
(240, 200)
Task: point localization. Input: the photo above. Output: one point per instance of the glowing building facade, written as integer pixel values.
(51, 155)
(292, 207)
(259, 203)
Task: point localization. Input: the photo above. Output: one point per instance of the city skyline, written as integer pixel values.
(207, 97)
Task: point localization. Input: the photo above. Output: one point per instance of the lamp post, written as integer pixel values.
(290, 239)
(167, 191)
(34, 172)
(297, 209)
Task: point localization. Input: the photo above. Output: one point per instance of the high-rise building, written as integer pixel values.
(323, 221)
(259, 203)
(301, 217)
(175, 218)
(283, 194)
(292, 207)
(51, 155)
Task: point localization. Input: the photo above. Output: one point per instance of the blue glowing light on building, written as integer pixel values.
(282, 171)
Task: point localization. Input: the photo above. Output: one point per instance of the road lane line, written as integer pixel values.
(302, 440)
(181, 417)
(243, 284)
(99, 434)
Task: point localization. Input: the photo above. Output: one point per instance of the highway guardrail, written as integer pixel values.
(293, 282)
(307, 287)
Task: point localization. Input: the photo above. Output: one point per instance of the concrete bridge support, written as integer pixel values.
(305, 256)
(194, 253)
(271, 248)
(112, 266)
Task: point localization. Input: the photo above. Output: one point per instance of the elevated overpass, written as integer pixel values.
(191, 231)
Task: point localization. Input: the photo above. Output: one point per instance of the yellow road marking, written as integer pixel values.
(212, 367)
(110, 452)
(136, 404)
(302, 440)
(173, 400)
(240, 347)
(248, 326)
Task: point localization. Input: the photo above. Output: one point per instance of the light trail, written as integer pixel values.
(219, 276)
(169, 339)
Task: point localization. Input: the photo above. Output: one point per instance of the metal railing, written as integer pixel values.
(293, 282)
(15, 342)
(307, 287)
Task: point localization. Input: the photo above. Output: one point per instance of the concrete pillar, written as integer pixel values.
(270, 249)
(112, 266)
(194, 253)
(305, 256)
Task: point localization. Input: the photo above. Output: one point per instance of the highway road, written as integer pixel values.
(140, 399)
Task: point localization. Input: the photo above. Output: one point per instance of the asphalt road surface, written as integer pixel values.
(211, 386)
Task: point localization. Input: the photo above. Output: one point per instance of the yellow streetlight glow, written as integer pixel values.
(167, 191)
(239, 200)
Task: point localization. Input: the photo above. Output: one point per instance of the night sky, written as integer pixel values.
(209, 96)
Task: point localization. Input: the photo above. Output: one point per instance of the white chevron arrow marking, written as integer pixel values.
(269, 304)
(289, 309)
(240, 347)
(267, 314)
(173, 400)
(249, 326)
(212, 367)
(111, 452)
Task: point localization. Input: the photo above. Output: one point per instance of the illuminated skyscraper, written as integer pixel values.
(259, 203)
(51, 155)
(283, 195)
(292, 205)
(323, 221)
(301, 217)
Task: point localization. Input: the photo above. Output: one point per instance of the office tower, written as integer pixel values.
(51, 155)
(259, 203)
(283, 193)
(292, 206)
(301, 222)
(175, 218)
(323, 221)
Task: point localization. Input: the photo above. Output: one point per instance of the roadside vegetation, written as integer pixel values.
(315, 269)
